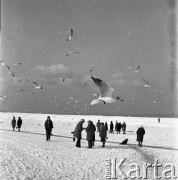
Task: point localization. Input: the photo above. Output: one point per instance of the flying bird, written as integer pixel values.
(12, 74)
(71, 35)
(18, 63)
(72, 52)
(91, 69)
(106, 93)
(138, 69)
(37, 85)
(63, 79)
(20, 90)
(155, 101)
(147, 84)
(3, 64)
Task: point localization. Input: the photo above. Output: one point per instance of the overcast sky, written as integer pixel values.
(109, 35)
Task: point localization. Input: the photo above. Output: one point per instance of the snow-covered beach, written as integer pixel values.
(27, 154)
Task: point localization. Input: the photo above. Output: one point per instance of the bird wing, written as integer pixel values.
(145, 81)
(103, 87)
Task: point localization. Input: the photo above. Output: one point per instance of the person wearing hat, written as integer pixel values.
(140, 134)
(78, 132)
(90, 129)
(48, 127)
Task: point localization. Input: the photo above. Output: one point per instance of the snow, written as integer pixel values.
(27, 155)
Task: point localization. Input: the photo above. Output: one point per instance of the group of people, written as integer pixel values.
(118, 127)
(90, 130)
(18, 123)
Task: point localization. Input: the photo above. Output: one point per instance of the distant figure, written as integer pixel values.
(48, 127)
(111, 127)
(93, 142)
(124, 127)
(90, 129)
(158, 120)
(119, 127)
(19, 123)
(98, 124)
(103, 134)
(140, 134)
(106, 126)
(124, 142)
(13, 123)
(78, 132)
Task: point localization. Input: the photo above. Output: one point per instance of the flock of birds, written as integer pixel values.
(105, 93)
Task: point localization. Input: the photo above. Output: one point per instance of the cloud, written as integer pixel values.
(53, 69)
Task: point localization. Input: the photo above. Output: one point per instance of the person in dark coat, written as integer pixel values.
(140, 134)
(90, 129)
(111, 127)
(106, 126)
(19, 123)
(93, 142)
(98, 124)
(13, 123)
(48, 127)
(78, 132)
(158, 120)
(119, 127)
(103, 134)
(124, 127)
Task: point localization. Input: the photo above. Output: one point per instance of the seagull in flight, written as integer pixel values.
(71, 35)
(12, 74)
(147, 84)
(63, 79)
(37, 85)
(106, 93)
(138, 69)
(72, 52)
(91, 69)
(18, 63)
(20, 90)
(155, 101)
(3, 64)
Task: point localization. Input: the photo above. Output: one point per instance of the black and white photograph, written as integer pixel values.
(88, 90)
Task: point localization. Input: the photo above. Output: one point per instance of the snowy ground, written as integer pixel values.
(26, 155)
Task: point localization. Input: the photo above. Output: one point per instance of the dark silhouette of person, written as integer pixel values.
(19, 123)
(13, 123)
(93, 142)
(98, 124)
(158, 120)
(140, 134)
(124, 127)
(90, 129)
(106, 126)
(103, 134)
(111, 127)
(78, 132)
(48, 127)
(119, 127)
